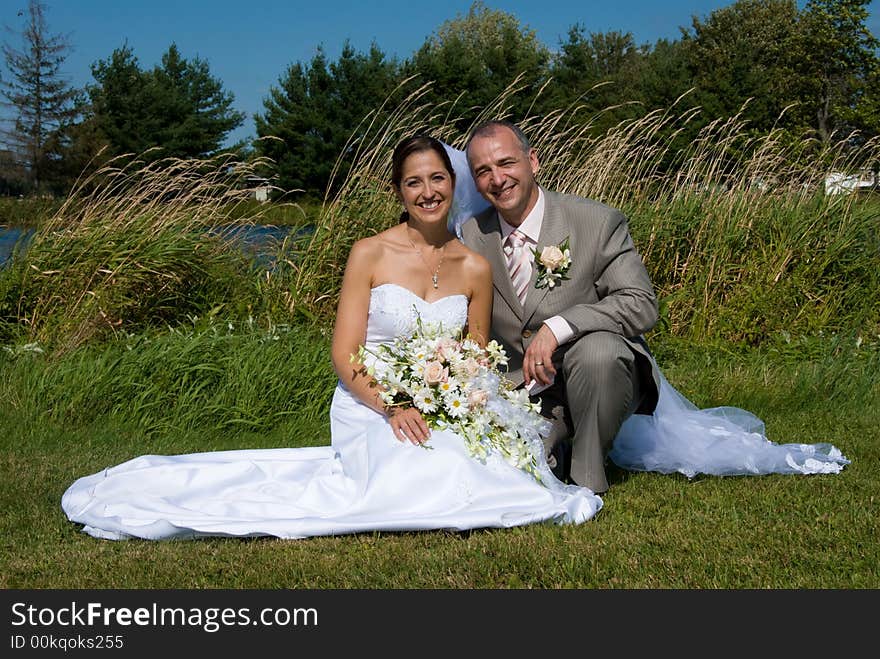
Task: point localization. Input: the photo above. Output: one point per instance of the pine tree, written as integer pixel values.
(41, 102)
(177, 106)
(315, 109)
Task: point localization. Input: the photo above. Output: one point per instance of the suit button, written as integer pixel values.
(526, 334)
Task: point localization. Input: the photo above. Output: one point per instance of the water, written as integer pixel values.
(257, 241)
(9, 237)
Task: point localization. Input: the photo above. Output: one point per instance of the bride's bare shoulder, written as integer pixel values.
(473, 262)
(376, 246)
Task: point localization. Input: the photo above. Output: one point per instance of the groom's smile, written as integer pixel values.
(504, 173)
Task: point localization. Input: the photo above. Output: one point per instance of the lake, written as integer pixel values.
(257, 241)
(8, 239)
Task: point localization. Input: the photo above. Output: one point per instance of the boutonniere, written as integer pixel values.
(553, 263)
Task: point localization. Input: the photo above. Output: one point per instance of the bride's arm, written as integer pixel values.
(479, 273)
(350, 332)
(350, 328)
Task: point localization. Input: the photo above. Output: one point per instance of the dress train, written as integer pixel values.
(719, 441)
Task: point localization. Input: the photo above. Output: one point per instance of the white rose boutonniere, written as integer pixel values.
(553, 263)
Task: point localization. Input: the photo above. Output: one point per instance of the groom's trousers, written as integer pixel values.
(596, 389)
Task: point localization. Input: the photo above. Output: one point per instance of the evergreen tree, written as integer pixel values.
(124, 103)
(177, 106)
(598, 73)
(40, 100)
(663, 75)
(476, 57)
(198, 113)
(314, 111)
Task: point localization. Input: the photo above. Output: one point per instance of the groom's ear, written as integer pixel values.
(534, 163)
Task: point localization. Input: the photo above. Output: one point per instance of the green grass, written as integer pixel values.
(113, 346)
(210, 375)
(26, 211)
(656, 531)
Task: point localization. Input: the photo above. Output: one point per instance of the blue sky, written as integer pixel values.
(248, 45)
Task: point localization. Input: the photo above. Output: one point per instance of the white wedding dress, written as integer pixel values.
(368, 481)
(365, 481)
(719, 441)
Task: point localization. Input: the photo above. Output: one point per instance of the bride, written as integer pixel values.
(377, 475)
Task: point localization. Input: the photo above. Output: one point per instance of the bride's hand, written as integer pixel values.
(408, 425)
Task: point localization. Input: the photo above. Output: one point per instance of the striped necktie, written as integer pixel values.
(518, 264)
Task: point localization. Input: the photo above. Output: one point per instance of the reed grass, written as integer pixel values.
(737, 236)
(734, 227)
(131, 247)
(363, 203)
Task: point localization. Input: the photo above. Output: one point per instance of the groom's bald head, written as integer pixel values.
(491, 127)
(503, 166)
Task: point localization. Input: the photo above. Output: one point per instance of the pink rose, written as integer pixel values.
(435, 373)
(470, 367)
(478, 397)
(552, 257)
(447, 348)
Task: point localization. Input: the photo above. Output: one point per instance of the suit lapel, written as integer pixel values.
(554, 230)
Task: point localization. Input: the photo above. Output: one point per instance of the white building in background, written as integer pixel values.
(842, 183)
(260, 186)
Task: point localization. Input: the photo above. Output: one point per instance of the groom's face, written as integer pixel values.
(504, 174)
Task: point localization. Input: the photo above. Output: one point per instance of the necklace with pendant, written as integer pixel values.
(435, 276)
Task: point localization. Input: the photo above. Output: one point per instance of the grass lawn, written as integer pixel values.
(655, 531)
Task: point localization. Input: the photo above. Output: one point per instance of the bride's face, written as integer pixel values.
(426, 187)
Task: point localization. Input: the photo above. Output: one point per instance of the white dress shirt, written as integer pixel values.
(531, 230)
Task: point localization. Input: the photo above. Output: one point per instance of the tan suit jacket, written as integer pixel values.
(608, 287)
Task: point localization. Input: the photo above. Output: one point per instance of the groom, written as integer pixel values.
(571, 324)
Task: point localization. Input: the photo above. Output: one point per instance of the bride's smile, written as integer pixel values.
(426, 188)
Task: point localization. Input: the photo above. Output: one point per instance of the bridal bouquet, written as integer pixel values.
(456, 385)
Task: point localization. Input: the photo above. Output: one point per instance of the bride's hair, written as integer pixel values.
(415, 144)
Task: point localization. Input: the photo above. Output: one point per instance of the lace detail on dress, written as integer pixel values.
(395, 310)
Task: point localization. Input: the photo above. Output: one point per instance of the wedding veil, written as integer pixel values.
(467, 202)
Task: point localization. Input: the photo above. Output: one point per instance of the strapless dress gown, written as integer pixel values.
(366, 480)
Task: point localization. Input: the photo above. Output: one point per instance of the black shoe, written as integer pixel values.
(561, 452)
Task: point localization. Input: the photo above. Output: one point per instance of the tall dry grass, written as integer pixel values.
(739, 240)
(132, 245)
(734, 227)
(364, 203)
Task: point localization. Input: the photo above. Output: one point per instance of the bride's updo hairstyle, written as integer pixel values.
(416, 144)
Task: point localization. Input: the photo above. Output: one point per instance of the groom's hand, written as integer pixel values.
(538, 359)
